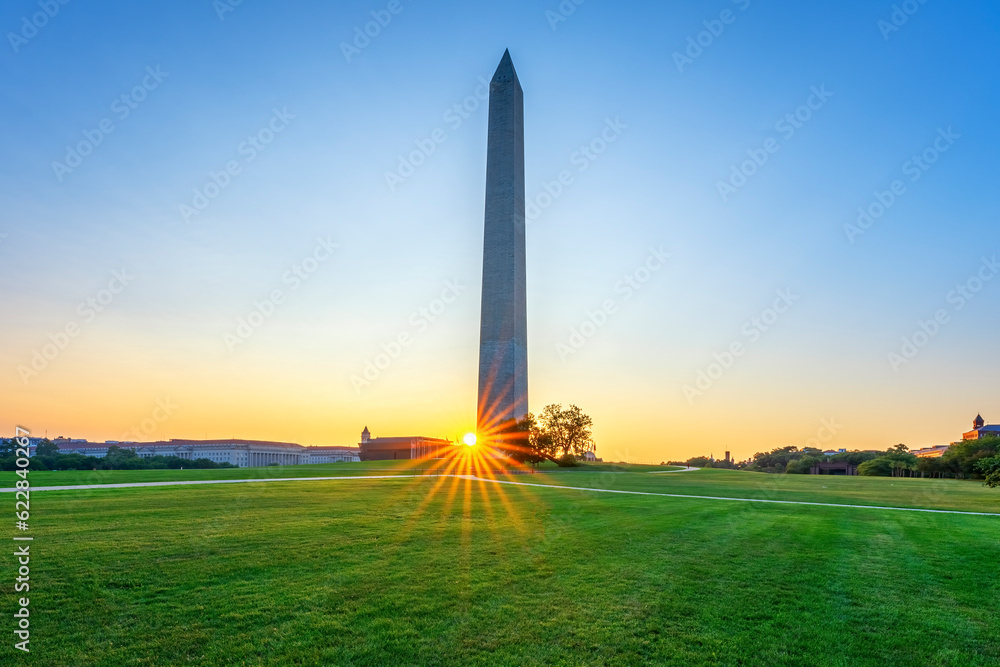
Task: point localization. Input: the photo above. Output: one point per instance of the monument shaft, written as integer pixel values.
(503, 337)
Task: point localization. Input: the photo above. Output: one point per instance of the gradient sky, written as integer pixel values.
(163, 337)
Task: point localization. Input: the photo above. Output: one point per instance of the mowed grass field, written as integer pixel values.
(446, 571)
(82, 477)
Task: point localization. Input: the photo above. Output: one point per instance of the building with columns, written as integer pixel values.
(241, 453)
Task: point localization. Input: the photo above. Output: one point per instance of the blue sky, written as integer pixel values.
(344, 124)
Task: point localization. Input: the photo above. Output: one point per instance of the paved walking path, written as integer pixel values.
(658, 472)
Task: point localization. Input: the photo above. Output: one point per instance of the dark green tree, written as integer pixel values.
(802, 466)
(47, 448)
(524, 441)
(990, 469)
(962, 457)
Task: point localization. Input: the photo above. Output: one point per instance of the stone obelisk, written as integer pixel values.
(503, 334)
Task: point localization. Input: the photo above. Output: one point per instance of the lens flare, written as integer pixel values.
(469, 439)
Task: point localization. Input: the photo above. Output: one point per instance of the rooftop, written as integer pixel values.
(64, 443)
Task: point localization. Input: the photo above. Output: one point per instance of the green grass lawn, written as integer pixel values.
(950, 494)
(448, 571)
(73, 477)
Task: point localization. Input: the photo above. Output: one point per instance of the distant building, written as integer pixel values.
(591, 457)
(402, 448)
(333, 454)
(930, 452)
(241, 453)
(981, 430)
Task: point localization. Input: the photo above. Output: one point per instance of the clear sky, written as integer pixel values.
(171, 167)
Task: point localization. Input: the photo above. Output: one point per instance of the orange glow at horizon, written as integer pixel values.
(109, 387)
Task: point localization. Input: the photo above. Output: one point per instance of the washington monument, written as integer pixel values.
(503, 334)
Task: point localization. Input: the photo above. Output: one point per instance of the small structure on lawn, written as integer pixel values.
(834, 468)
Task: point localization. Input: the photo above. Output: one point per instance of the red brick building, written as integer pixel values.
(980, 430)
(402, 448)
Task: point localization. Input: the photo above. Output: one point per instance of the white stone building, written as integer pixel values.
(241, 453)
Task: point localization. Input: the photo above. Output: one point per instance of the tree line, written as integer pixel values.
(969, 459)
(48, 457)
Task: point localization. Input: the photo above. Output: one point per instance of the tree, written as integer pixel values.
(47, 448)
(880, 467)
(119, 458)
(516, 439)
(930, 467)
(854, 458)
(895, 462)
(7, 448)
(77, 462)
(777, 459)
(116, 452)
(522, 440)
(962, 457)
(990, 469)
(568, 431)
(567, 461)
(802, 466)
